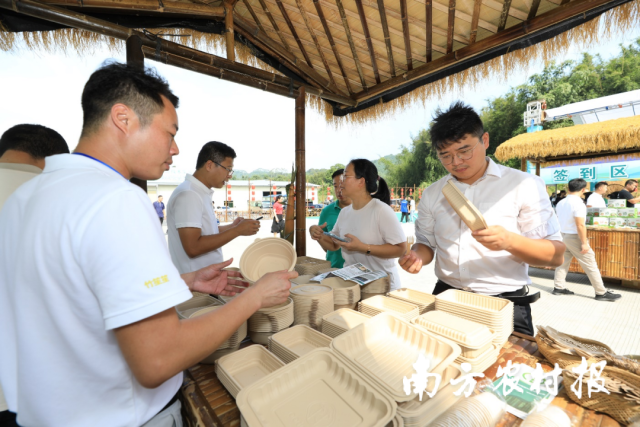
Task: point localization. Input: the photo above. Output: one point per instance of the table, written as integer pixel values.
(206, 403)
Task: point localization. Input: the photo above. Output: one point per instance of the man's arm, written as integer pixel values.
(413, 261)
(194, 243)
(540, 252)
(159, 347)
(582, 234)
(634, 201)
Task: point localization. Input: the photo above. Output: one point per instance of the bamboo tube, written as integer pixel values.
(228, 28)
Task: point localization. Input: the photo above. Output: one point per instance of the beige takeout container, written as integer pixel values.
(266, 256)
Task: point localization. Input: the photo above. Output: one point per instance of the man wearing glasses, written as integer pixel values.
(523, 228)
(195, 239)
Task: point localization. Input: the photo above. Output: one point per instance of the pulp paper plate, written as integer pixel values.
(465, 332)
(247, 366)
(467, 212)
(300, 340)
(317, 389)
(266, 256)
(425, 302)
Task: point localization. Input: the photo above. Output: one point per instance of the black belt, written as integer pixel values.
(173, 400)
(520, 299)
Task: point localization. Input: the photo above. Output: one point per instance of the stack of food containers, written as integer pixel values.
(346, 294)
(342, 320)
(267, 321)
(297, 341)
(380, 304)
(425, 302)
(311, 302)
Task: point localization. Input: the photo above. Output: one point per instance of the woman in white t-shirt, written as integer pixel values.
(376, 237)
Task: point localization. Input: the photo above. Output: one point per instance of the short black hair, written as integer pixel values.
(114, 83)
(600, 184)
(629, 181)
(450, 126)
(36, 140)
(214, 151)
(159, 196)
(577, 184)
(337, 173)
(563, 191)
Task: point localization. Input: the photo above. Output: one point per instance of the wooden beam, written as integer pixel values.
(547, 19)
(564, 2)
(387, 37)
(367, 35)
(406, 33)
(332, 43)
(253, 15)
(498, 5)
(273, 23)
(474, 21)
(463, 16)
(172, 7)
(533, 11)
(347, 32)
(303, 12)
(429, 28)
(285, 15)
(504, 15)
(228, 30)
(452, 18)
(301, 178)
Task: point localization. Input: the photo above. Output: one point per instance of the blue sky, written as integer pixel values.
(45, 88)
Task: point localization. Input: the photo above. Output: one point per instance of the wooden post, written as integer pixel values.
(135, 58)
(523, 165)
(537, 168)
(301, 177)
(228, 28)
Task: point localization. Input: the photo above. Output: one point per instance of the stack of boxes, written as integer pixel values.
(615, 215)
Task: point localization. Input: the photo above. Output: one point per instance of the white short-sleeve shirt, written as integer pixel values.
(568, 209)
(81, 254)
(515, 200)
(190, 205)
(374, 224)
(596, 200)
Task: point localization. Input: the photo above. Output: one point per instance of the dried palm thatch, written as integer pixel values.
(591, 160)
(594, 138)
(612, 23)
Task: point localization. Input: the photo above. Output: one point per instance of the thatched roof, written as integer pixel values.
(382, 54)
(591, 140)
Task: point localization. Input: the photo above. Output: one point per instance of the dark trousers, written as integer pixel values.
(405, 217)
(522, 321)
(161, 219)
(8, 419)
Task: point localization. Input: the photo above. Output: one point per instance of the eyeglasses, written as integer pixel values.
(343, 177)
(447, 159)
(229, 171)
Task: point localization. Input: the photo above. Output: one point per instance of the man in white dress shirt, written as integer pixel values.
(195, 239)
(572, 214)
(595, 200)
(523, 228)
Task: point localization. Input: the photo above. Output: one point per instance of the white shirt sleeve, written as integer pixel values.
(425, 224)
(579, 210)
(125, 260)
(187, 210)
(536, 219)
(389, 226)
(336, 227)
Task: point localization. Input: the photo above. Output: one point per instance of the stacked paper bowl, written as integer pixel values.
(306, 265)
(474, 339)
(194, 304)
(297, 341)
(230, 345)
(267, 321)
(495, 313)
(377, 287)
(303, 280)
(425, 302)
(265, 256)
(550, 417)
(482, 410)
(246, 366)
(310, 303)
(340, 321)
(346, 294)
(380, 304)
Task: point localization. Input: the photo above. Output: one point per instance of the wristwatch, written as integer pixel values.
(368, 249)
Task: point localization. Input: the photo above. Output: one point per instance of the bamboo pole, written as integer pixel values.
(429, 28)
(347, 31)
(474, 21)
(252, 12)
(164, 7)
(537, 168)
(452, 18)
(135, 58)
(334, 48)
(504, 15)
(406, 34)
(228, 29)
(387, 37)
(523, 165)
(273, 23)
(533, 11)
(367, 35)
(285, 15)
(301, 179)
(552, 17)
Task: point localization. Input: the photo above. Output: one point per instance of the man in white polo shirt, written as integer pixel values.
(572, 214)
(89, 333)
(22, 152)
(595, 200)
(195, 239)
(522, 228)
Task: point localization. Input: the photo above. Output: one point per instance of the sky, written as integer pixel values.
(45, 88)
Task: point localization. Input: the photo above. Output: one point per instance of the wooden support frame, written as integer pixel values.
(273, 23)
(428, 10)
(332, 43)
(405, 30)
(347, 31)
(367, 35)
(504, 15)
(303, 12)
(301, 176)
(533, 11)
(285, 15)
(228, 28)
(254, 15)
(474, 21)
(387, 37)
(451, 22)
(164, 7)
